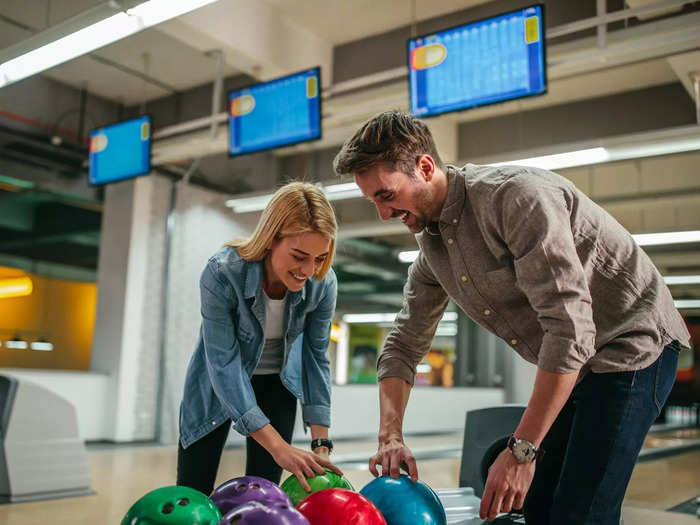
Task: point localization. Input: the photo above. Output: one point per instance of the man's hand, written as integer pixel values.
(303, 464)
(506, 486)
(392, 454)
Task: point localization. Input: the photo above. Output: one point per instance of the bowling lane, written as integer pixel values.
(123, 475)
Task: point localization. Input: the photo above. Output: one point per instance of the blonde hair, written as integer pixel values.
(296, 208)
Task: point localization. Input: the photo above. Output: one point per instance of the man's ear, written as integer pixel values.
(425, 164)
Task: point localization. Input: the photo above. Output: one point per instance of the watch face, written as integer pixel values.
(523, 451)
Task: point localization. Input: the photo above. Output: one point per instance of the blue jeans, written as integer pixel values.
(593, 445)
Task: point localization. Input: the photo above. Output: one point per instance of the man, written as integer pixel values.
(533, 260)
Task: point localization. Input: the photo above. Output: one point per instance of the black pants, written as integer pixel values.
(198, 464)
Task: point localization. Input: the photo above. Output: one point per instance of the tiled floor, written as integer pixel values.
(122, 475)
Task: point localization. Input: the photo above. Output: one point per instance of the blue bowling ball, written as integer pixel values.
(401, 501)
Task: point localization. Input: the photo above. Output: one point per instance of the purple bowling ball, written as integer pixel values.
(238, 491)
(271, 513)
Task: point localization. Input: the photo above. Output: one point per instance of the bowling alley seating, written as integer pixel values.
(41, 455)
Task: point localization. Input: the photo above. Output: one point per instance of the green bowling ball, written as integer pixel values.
(173, 506)
(329, 480)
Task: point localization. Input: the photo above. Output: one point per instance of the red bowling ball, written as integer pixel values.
(340, 507)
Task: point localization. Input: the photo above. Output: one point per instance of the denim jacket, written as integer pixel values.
(231, 339)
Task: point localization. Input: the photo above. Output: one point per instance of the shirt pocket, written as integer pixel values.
(245, 331)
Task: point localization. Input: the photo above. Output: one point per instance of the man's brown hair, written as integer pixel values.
(393, 138)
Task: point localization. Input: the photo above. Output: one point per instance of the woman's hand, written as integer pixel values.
(303, 464)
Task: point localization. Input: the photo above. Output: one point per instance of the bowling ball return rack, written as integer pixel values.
(462, 508)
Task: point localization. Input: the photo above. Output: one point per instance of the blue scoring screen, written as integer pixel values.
(277, 113)
(493, 60)
(120, 151)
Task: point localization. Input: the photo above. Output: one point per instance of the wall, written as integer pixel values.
(192, 245)
(647, 195)
(60, 311)
(585, 120)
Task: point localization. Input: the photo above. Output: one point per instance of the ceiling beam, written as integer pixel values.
(256, 38)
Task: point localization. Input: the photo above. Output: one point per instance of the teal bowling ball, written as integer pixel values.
(401, 501)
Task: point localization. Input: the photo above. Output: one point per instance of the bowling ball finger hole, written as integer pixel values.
(255, 486)
(183, 502)
(236, 519)
(167, 508)
(242, 487)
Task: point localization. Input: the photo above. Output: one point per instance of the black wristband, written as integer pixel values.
(322, 443)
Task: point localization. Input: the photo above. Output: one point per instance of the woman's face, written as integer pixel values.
(292, 260)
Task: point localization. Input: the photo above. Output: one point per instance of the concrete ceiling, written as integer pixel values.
(267, 38)
(341, 21)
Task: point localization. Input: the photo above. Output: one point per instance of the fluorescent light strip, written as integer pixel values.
(562, 160)
(94, 36)
(642, 239)
(655, 239)
(386, 318)
(682, 279)
(686, 304)
(408, 256)
(334, 192)
(16, 345)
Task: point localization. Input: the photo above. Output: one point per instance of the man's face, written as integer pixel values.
(395, 194)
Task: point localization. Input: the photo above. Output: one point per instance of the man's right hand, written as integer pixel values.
(392, 455)
(303, 464)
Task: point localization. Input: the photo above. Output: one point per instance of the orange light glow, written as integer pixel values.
(15, 287)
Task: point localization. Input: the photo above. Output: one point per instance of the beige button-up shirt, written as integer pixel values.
(532, 259)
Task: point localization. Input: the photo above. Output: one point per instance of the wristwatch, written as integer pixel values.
(322, 443)
(523, 450)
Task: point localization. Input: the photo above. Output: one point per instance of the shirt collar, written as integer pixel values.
(456, 193)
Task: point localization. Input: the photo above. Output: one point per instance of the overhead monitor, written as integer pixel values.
(120, 151)
(276, 113)
(492, 60)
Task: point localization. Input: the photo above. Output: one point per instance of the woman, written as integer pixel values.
(267, 304)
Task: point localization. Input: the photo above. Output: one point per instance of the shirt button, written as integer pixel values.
(464, 278)
(449, 241)
(213, 422)
(514, 342)
(454, 221)
(487, 312)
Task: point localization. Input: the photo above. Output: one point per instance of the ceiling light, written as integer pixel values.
(57, 48)
(16, 343)
(609, 149)
(15, 287)
(386, 317)
(682, 279)
(686, 304)
(248, 204)
(408, 256)
(44, 346)
(655, 239)
(334, 192)
(642, 239)
(562, 160)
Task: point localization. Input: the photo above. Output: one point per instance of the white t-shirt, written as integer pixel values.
(273, 350)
